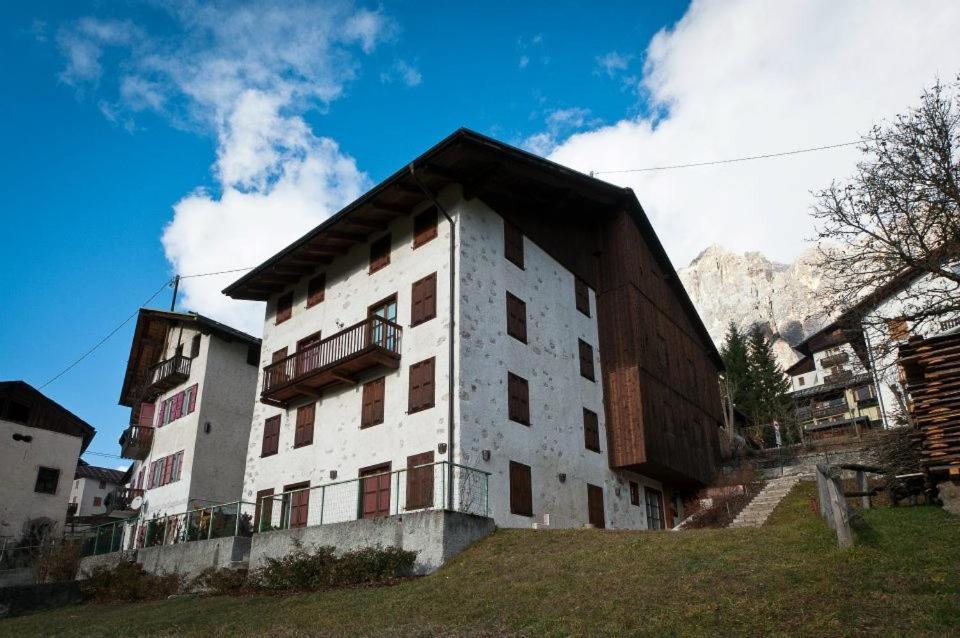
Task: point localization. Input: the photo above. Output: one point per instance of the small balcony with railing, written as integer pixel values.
(835, 359)
(337, 360)
(135, 442)
(826, 409)
(120, 502)
(166, 375)
(838, 378)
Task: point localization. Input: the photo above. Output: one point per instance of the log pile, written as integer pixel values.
(930, 371)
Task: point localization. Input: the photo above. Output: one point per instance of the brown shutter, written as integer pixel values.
(379, 254)
(521, 491)
(271, 436)
(518, 399)
(420, 481)
(595, 506)
(298, 503)
(316, 289)
(375, 491)
(303, 435)
(513, 243)
(591, 430)
(424, 300)
(424, 227)
(582, 294)
(284, 307)
(421, 386)
(281, 373)
(147, 411)
(516, 318)
(263, 510)
(586, 360)
(371, 412)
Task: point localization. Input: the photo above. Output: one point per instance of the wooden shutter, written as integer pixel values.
(634, 493)
(303, 435)
(379, 254)
(284, 307)
(420, 481)
(279, 374)
(591, 430)
(424, 227)
(179, 466)
(298, 503)
(513, 243)
(271, 436)
(518, 399)
(586, 360)
(595, 513)
(371, 412)
(582, 294)
(423, 295)
(193, 398)
(316, 289)
(167, 470)
(263, 510)
(375, 491)
(195, 346)
(147, 411)
(516, 318)
(421, 379)
(521, 491)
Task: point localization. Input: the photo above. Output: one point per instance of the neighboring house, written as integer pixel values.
(572, 366)
(190, 384)
(92, 487)
(41, 442)
(834, 392)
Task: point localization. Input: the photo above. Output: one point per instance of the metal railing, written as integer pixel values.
(121, 498)
(371, 333)
(432, 486)
(107, 538)
(216, 521)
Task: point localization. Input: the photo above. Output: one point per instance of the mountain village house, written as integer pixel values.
(487, 332)
(38, 459)
(92, 490)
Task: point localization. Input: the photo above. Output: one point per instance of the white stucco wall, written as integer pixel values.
(83, 491)
(19, 464)
(816, 377)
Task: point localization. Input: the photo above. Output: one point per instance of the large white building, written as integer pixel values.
(41, 443)
(484, 331)
(190, 384)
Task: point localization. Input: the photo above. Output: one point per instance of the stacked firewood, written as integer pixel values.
(930, 370)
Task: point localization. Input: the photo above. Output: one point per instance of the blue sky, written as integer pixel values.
(136, 132)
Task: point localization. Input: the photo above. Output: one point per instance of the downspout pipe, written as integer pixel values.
(453, 331)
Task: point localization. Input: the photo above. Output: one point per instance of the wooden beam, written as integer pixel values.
(344, 378)
(307, 390)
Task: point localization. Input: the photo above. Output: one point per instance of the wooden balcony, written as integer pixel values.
(838, 378)
(835, 359)
(336, 360)
(830, 408)
(135, 442)
(166, 375)
(120, 501)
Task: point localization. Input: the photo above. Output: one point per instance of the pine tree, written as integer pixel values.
(736, 376)
(768, 400)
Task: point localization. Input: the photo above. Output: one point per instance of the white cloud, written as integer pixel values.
(737, 78)
(245, 74)
(559, 123)
(402, 71)
(524, 61)
(613, 63)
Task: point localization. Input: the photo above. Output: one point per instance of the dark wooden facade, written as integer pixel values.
(23, 404)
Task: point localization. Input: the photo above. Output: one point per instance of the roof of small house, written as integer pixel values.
(85, 470)
(45, 413)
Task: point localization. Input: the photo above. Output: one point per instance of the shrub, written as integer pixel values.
(321, 569)
(372, 565)
(128, 582)
(58, 562)
(221, 582)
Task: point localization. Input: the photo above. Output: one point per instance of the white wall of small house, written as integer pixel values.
(85, 491)
(554, 442)
(19, 463)
(338, 441)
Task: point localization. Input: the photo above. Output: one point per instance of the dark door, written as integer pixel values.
(297, 504)
(375, 491)
(595, 506)
(420, 481)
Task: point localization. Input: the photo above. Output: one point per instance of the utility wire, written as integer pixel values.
(730, 160)
(110, 456)
(219, 272)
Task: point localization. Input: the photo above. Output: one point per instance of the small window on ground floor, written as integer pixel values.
(654, 500)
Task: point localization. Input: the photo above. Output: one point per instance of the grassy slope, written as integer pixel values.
(785, 578)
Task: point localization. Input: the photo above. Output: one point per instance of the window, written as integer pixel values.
(595, 515)
(316, 289)
(634, 493)
(654, 508)
(165, 470)
(47, 479)
(263, 510)
(421, 386)
(103, 485)
(384, 334)
(303, 435)
(898, 328)
(582, 295)
(586, 360)
(379, 254)
(424, 227)
(284, 307)
(516, 318)
(371, 412)
(521, 491)
(591, 430)
(375, 491)
(423, 300)
(801, 380)
(513, 243)
(195, 346)
(420, 481)
(176, 406)
(518, 399)
(297, 503)
(308, 353)
(97, 501)
(271, 436)
(863, 393)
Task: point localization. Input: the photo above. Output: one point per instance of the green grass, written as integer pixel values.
(787, 578)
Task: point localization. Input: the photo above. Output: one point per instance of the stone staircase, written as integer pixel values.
(759, 509)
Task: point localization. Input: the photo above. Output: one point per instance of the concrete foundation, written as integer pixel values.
(17, 577)
(435, 535)
(187, 559)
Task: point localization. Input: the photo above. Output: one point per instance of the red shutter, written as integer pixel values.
(167, 470)
(193, 398)
(424, 227)
(147, 411)
(150, 476)
(139, 482)
(303, 435)
(423, 300)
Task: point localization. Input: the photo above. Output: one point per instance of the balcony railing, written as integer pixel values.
(835, 359)
(166, 375)
(122, 498)
(339, 358)
(829, 408)
(135, 442)
(949, 324)
(838, 377)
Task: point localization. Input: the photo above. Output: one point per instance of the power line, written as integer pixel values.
(730, 160)
(110, 456)
(219, 272)
(104, 340)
